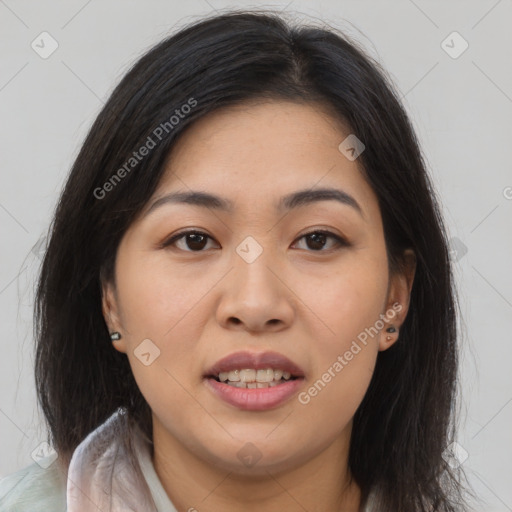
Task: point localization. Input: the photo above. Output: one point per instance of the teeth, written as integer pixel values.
(265, 375)
(254, 385)
(247, 375)
(250, 378)
(234, 376)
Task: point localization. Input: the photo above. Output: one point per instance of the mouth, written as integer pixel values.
(252, 381)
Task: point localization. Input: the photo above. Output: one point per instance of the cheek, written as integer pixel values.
(158, 299)
(334, 395)
(346, 347)
(349, 300)
(163, 306)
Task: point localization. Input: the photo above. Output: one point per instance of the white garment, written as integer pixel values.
(101, 477)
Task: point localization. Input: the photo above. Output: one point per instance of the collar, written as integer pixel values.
(111, 470)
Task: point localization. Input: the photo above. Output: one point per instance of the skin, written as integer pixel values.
(297, 298)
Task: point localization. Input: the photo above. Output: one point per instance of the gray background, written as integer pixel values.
(461, 108)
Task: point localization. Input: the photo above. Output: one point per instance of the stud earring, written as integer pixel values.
(390, 329)
(114, 336)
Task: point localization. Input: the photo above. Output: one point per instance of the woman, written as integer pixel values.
(247, 299)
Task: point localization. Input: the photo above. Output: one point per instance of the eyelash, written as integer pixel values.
(340, 241)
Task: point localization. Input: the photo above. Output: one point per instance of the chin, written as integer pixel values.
(259, 455)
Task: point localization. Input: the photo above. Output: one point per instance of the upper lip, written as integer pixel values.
(254, 360)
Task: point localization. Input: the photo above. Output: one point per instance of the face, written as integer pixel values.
(298, 286)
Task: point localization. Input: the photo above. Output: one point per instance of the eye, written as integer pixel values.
(194, 240)
(317, 240)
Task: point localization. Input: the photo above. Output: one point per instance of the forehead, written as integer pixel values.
(259, 152)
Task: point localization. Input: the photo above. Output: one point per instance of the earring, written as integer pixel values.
(390, 329)
(114, 336)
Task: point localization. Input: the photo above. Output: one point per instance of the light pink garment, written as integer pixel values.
(103, 477)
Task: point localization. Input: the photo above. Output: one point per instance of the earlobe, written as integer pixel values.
(111, 316)
(391, 331)
(398, 300)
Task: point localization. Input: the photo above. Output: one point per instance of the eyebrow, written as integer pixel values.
(286, 203)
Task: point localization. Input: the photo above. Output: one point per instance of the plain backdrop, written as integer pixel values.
(460, 103)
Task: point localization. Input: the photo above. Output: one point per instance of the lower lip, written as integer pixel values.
(255, 399)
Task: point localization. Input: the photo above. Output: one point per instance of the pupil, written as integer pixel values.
(315, 237)
(196, 239)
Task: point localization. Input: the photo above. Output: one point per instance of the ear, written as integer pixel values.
(398, 299)
(110, 309)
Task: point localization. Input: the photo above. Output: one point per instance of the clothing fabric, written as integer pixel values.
(104, 474)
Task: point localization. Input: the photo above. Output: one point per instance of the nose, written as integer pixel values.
(255, 297)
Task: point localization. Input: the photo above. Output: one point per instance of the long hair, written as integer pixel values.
(406, 419)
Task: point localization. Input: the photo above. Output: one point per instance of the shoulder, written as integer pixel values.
(35, 488)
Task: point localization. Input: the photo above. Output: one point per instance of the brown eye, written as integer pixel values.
(318, 240)
(191, 241)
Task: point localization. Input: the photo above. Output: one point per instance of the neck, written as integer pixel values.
(320, 483)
